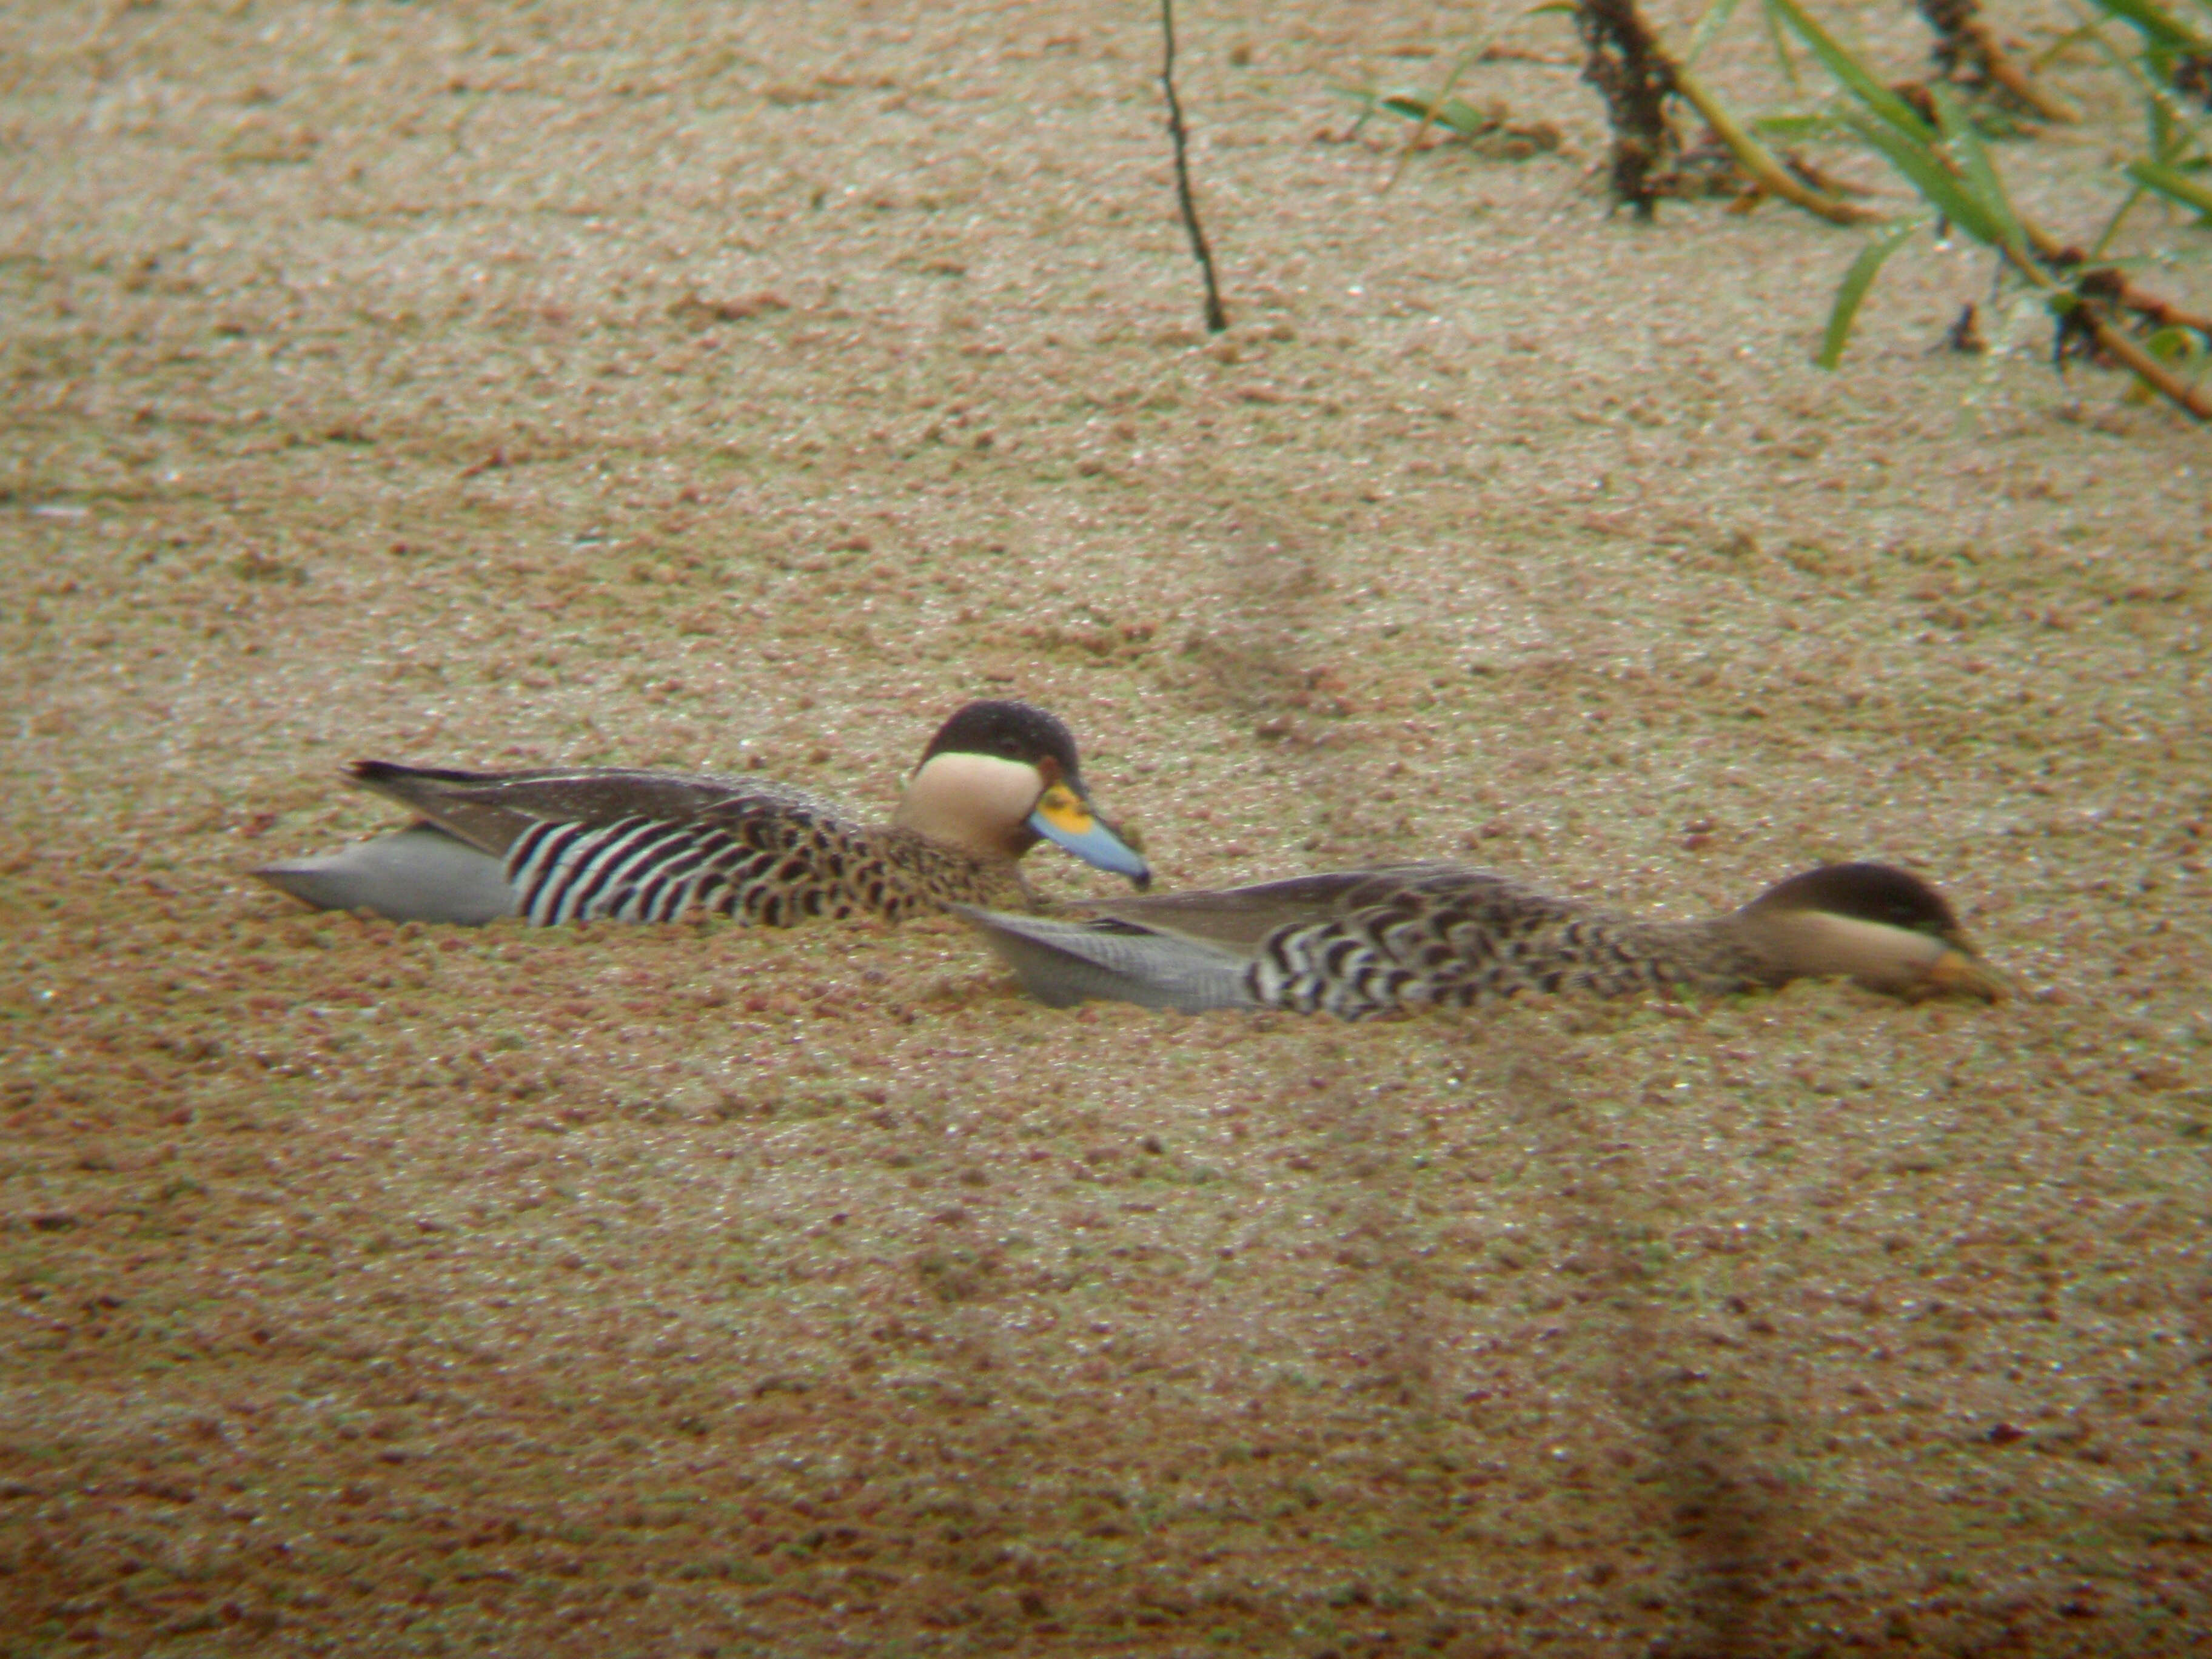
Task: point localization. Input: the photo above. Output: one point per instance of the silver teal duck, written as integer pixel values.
(560, 845)
(1359, 944)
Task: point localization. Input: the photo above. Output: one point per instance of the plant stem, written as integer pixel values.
(1429, 110)
(2118, 343)
(1753, 157)
(2124, 293)
(2035, 265)
(1964, 38)
(1217, 319)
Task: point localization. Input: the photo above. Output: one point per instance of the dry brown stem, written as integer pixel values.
(1755, 159)
(2126, 294)
(1965, 41)
(2130, 354)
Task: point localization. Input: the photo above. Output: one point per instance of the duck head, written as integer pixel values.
(1883, 927)
(1001, 776)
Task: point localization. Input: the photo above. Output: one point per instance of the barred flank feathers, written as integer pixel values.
(631, 870)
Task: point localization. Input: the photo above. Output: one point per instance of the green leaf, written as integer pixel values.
(1780, 42)
(2171, 127)
(1925, 169)
(1860, 80)
(2059, 48)
(1803, 129)
(1853, 289)
(1978, 172)
(2172, 184)
(2181, 347)
(2112, 225)
(2156, 24)
(1456, 114)
(1715, 20)
(2174, 344)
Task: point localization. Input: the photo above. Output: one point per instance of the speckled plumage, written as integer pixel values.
(555, 845)
(1361, 943)
(1445, 936)
(656, 847)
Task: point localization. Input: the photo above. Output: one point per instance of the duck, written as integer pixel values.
(1358, 944)
(561, 845)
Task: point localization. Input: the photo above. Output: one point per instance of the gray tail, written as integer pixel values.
(1061, 962)
(421, 874)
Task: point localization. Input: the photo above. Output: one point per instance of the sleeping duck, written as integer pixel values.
(1358, 944)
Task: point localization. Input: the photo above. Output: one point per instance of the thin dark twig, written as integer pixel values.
(1216, 318)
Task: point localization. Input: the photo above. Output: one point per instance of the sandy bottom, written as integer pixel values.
(745, 388)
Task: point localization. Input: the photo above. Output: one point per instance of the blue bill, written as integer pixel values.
(1065, 819)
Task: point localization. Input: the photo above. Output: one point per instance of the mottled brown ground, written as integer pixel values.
(586, 383)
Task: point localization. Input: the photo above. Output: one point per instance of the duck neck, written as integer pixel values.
(978, 803)
(1819, 944)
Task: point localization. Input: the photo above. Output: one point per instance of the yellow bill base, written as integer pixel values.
(1065, 818)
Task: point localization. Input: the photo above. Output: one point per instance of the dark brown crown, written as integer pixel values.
(1010, 730)
(1867, 893)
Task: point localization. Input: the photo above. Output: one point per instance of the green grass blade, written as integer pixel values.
(1976, 172)
(2175, 131)
(1797, 129)
(1924, 168)
(2172, 184)
(2112, 225)
(1715, 20)
(2156, 23)
(2057, 49)
(1778, 39)
(2151, 87)
(1853, 289)
(1860, 80)
(1436, 106)
(1456, 114)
